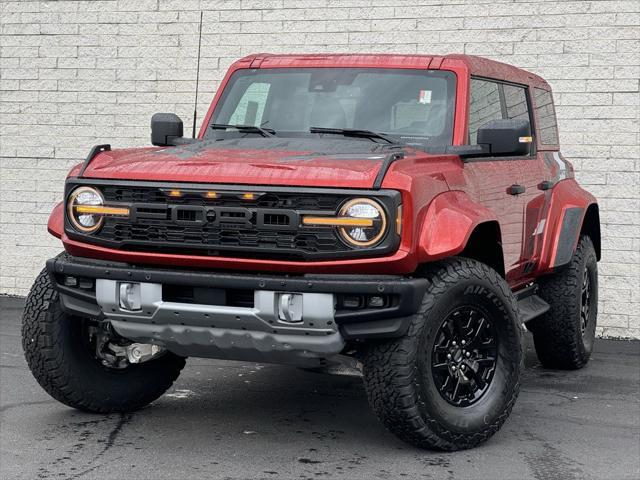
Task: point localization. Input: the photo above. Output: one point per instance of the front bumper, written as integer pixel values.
(210, 325)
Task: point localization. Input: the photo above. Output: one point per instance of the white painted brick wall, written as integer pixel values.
(77, 73)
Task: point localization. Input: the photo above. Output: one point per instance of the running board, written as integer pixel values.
(531, 306)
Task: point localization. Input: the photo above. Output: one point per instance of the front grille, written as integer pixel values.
(268, 225)
(295, 201)
(159, 235)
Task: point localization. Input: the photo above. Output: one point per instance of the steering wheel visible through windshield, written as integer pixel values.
(414, 106)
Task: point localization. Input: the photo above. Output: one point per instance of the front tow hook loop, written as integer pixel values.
(290, 307)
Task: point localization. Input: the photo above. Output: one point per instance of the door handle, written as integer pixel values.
(516, 189)
(546, 185)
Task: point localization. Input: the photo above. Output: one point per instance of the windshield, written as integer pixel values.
(412, 106)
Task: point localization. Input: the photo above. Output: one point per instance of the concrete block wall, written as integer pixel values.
(77, 73)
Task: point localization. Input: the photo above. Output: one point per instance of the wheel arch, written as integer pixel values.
(572, 212)
(485, 245)
(591, 227)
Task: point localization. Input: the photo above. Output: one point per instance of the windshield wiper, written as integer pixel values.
(354, 132)
(265, 132)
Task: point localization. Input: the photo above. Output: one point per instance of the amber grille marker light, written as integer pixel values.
(399, 220)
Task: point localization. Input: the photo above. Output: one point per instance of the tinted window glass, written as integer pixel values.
(495, 101)
(515, 99)
(485, 106)
(251, 106)
(547, 123)
(415, 105)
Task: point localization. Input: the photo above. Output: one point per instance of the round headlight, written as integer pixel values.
(363, 208)
(85, 222)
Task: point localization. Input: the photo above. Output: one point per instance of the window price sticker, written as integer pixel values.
(424, 97)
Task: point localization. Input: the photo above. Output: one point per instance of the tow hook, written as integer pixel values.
(117, 352)
(142, 352)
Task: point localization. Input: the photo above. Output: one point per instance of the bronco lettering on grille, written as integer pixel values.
(221, 217)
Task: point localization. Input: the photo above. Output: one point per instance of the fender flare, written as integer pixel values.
(570, 208)
(448, 222)
(55, 225)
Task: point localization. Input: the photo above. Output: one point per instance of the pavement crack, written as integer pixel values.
(124, 419)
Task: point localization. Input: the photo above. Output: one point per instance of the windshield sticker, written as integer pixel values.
(425, 97)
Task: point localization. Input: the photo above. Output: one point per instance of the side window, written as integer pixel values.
(484, 106)
(251, 106)
(495, 101)
(515, 99)
(547, 123)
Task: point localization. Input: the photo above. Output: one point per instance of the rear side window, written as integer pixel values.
(547, 122)
(515, 99)
(495, 101)
(485, 106)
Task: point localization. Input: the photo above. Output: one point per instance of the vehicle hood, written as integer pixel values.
(259, 161)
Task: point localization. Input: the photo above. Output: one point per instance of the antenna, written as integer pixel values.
(195, 105)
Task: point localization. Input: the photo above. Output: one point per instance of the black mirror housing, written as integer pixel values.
(506, 137)
(166, 128)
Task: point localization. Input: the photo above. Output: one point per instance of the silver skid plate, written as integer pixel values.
(261, 333)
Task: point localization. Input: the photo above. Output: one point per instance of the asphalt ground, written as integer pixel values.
(232, 420)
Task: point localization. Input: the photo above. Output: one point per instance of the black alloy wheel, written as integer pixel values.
(451, 381)
(464, 356)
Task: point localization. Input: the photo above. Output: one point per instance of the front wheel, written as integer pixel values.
(452, 380)
(62, 353)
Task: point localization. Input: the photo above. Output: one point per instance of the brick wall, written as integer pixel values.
(76, 73)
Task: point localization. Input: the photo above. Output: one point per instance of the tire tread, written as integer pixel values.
(51, 367)
(390, 368)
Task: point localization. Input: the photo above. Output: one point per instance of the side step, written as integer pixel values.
(531, 305)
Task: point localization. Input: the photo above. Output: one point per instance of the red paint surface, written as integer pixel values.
(449, 221)
(443, 199)
(234, 166)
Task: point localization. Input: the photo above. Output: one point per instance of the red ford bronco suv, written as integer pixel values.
(411, 212)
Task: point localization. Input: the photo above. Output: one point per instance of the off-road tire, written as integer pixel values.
(402, 391)
(68, 371)
(557, 335)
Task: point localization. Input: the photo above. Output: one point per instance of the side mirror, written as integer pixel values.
(506, 137)
(165, 129)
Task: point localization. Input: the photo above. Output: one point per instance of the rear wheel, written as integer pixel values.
(83, 364)
(452, 380)
(564, 336)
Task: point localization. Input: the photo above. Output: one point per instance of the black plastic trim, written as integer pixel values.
(546, 185)
(384, 168)
(516, 189)
(409, 290)
(568, 235)
(105, 147)
(531, 308)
